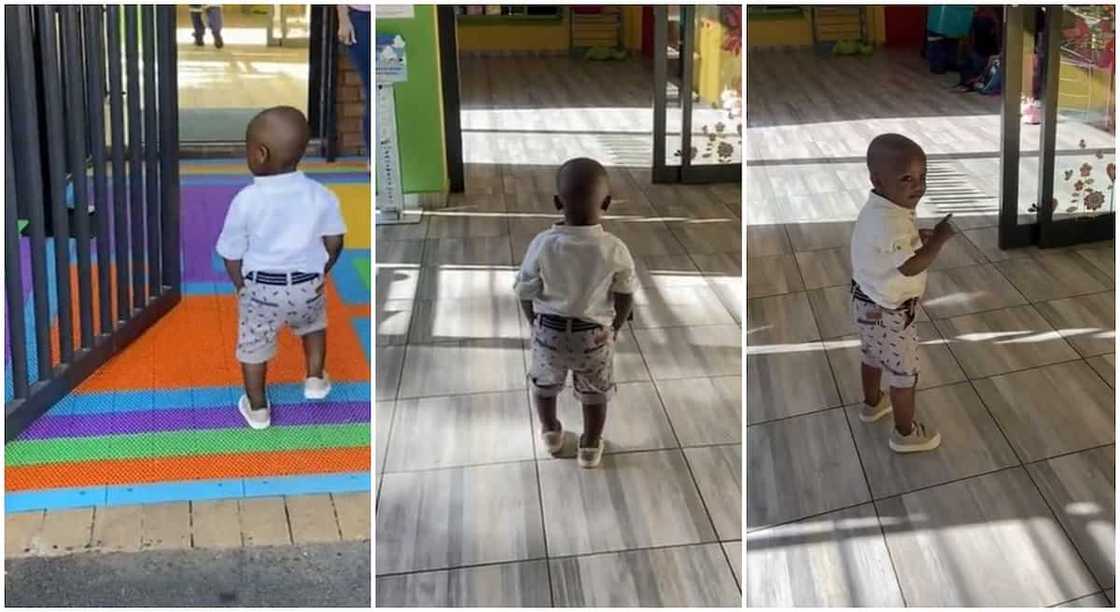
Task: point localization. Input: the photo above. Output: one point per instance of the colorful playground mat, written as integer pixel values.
(159, 422)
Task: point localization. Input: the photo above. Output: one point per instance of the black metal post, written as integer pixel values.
(151, 148)
(169, 147)
(1011, 60)
(95, 75)
(1047, 140)
(13, 274)
(116, 130)
(77, 146)
(28, 173)
(56, 142)
(688, 23)
(660, 82)
(135, 151)
(449, 76)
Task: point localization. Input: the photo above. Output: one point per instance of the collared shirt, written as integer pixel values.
(277, 224)
(884, 238)
(573, 271)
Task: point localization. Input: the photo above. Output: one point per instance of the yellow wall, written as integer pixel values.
(797, 31)
(715, 69)
(1081, 89)
(549, 36)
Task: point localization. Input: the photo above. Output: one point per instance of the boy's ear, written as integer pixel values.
(559, 204)
(606, 203)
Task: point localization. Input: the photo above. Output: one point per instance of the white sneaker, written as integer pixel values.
(317, 388)
(590, 456)
(257, 419)
(919, 439)
(870, 414)
(553, 441)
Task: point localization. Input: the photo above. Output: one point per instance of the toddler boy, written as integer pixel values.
(576, 287)
(282, 235)
(890, 256)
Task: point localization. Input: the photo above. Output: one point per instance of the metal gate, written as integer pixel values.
(91, 190)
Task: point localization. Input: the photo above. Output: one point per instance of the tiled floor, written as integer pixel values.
(470, 510)
(1017, 506)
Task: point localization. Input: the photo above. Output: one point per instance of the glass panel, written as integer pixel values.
(1030, 96)
(1085, 157)
(674, 42)
(717, 85)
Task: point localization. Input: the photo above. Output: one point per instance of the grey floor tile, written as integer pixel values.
(936, 363)
(396, 282)
(1081, 488)
(475, 366)
(947, 542)
(667, 577)
(836, 560)
(959, 291)
(681, 306)
(709, 236)
(766, 240)
(1051, 410)
(781, 319)
(393, 319)
(383, 411)
(832, 307)
(458, 430)
(1087, 322)
(494, 251)
(816, 236)
(789, 383)
(704, 410)
(816, 452)
(388, 374)
(512, 585)
(646, 238)
(400, 252)
(825, 268)
(635, 421)
(986, 239)
(467, 225)
(957, 253)
(691, 352)
(719, 476)
(629, 366)
(472, 319)
(458, 282)
(1101, 258)
(461, 516)
(773, 275)
(971, 443)
(734, 552)
(658, 273)
(1105, 365)
(1097, 600)
(1052, 276)
(632, 500)
(999, 341)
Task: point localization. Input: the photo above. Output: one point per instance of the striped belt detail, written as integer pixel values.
(282, 278)
(909, 307)
(565, 323)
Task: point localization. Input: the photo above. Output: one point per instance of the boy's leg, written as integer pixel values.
(254, 375)
(872, 384)
(546, 412)
(315, 352)
(196, 21)
(902, 399)
(594, 419)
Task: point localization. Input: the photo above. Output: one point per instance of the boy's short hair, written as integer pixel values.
(576, 179)
(886, 147)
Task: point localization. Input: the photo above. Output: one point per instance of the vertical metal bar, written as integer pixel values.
(77, 146)
(330, 77)
(51, 70)
(169, 146)
(151, 148)
(135, 150)
(660, 82)
(1012, 62)
(95, 76)
(13, 273)
(29, 176)
(688, 21)
(116, 129)
(1047, 140)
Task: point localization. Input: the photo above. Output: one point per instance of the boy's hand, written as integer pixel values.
(943, 231)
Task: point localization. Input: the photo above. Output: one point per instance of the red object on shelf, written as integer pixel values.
(905, 26)
(587, 9)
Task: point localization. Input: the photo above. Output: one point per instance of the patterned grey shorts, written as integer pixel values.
(263, 309)
(888, 341)
(589, 355)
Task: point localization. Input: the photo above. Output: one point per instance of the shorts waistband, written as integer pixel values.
(282, 278)
(559, 323)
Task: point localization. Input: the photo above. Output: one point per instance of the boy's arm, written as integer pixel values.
(233, 269)
(623, 305)
(923, 258)
(623, 287)
(333, 245)
(527, 309)
(528, 284)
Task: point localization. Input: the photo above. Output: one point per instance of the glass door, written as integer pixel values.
(698, 93)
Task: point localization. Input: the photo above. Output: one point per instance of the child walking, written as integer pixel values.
(890, 256)
(576, 287)
(282, 235)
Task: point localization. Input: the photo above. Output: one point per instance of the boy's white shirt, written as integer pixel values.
(572, 271)
(885, 237)
(277, 224)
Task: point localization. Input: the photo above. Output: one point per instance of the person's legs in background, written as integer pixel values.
(196, 21)
(359, 56)
(214, 18)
